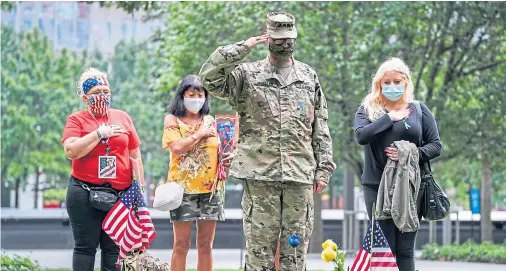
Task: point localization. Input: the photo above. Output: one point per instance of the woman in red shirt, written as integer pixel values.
(100, 141)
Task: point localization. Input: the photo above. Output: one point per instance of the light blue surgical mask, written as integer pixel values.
(393, 92)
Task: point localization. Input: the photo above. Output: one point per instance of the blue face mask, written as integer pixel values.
(393, 93)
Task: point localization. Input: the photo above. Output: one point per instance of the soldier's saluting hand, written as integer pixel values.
(254, 41)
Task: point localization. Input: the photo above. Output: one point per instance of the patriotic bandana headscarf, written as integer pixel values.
(99, 104)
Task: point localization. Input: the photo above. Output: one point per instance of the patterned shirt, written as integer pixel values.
(283, 131)
(196, 169)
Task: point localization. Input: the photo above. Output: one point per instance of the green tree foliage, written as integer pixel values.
(130, 80)
(37, 95)
(7, 5)
(456, 52)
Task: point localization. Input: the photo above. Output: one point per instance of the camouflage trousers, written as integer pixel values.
(273, 211)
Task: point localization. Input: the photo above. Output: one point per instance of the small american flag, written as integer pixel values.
(129, 223)
(382, 257)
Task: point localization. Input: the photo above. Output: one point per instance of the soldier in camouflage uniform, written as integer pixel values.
(285, 149)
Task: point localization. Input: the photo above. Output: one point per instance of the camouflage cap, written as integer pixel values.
(281, 25)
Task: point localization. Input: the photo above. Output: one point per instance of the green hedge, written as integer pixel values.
(18, 263)
(55, 194)
(485, 252)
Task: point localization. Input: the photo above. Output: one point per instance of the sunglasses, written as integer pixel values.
(281, 41)
(97, 92)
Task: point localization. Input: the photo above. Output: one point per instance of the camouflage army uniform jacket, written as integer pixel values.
(283, 131)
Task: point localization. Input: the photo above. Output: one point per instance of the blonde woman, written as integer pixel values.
(388, 114)
(100, 141)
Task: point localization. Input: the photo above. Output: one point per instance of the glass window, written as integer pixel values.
(134, 27)
(83, 34)
(60, 41)
(124, 30)
(8, 18)
(10, 22)
(109, 30)
(27, 9)
(27, 23)
(67, 33)
(49, 28)
(47, 9)
(41, 24)
(83, 10)
(66, 10)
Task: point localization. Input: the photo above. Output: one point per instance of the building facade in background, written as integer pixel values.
(80, 26)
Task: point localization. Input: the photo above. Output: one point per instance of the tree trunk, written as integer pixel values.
(16, 192)
(331, 194)
(4, 172)
(315, 246)
(349, 207)
(36, 189)
(486, 201)
(18, 186)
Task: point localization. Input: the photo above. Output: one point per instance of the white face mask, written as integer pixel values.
(194, 104)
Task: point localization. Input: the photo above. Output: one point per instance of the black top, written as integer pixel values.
(381, 133)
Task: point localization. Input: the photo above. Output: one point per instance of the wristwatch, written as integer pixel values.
(99, 135)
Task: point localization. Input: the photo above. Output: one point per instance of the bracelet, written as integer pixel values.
(99, 135)
(194, 137)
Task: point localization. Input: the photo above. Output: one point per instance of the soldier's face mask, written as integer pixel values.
(281, 48)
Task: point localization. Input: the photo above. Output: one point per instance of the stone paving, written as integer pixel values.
(231, 259)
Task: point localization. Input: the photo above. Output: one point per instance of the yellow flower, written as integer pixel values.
(329, 243)
(328, 254)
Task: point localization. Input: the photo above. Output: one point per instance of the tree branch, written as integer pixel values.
(426, 54)
(450, 70)
(440, 51)
(468, 142)
(482, 68)
(476, 46)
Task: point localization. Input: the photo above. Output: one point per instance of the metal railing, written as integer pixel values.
(355, 221)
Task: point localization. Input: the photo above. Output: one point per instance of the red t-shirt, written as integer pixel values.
(85, 168)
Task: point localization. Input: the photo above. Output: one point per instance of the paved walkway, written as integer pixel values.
(231, 259)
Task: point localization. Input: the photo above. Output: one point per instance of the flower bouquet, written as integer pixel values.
(330, 253)
(227, 127)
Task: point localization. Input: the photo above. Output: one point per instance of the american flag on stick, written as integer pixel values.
(381, 258)
(129, 223)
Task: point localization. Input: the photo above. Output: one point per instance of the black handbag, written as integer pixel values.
(101, 197)
(434, 203)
